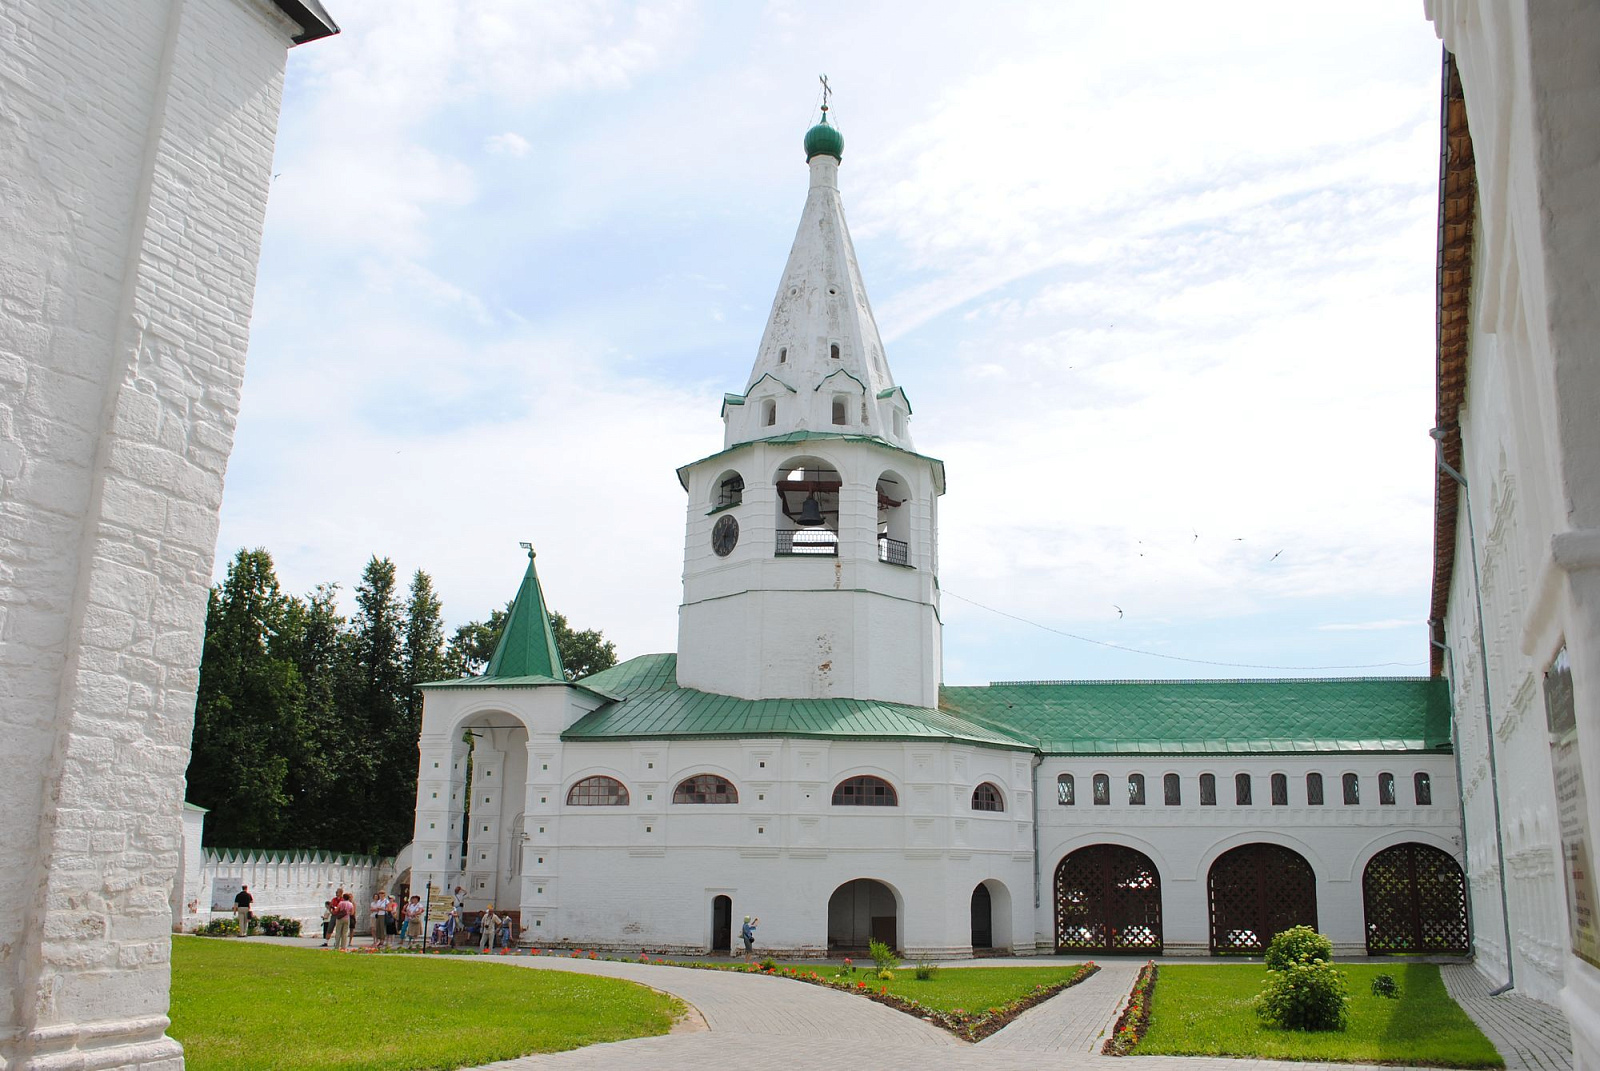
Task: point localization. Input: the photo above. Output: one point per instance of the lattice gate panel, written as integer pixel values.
(1257, 891)
(1108, 899)
(1416, 901)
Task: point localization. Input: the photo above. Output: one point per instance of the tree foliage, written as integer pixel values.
(306, 722)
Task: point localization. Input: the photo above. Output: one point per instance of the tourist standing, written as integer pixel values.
(344, 915)
(412, 919)
(487, 924)
(380, 919)
(241, 909)
(747, 934)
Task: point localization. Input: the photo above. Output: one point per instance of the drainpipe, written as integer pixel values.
(1437, 627)
(1445, 467)
(1038, 760)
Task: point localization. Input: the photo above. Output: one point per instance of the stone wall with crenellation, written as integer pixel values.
(136, 141)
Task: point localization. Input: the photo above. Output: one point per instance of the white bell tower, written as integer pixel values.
(811, 558)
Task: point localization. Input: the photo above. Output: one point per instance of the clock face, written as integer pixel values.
(724, 536)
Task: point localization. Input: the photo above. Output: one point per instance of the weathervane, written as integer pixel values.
(827, 91)
(527, 547)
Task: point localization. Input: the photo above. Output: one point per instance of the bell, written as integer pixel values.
(810, 512)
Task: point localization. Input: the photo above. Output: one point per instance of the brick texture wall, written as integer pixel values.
(136, 141)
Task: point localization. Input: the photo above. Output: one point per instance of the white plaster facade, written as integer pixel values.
(852, 639)
(135, 153)
(1530, 455)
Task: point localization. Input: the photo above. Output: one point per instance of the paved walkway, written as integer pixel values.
(1530, 1035)
(1076, 1021)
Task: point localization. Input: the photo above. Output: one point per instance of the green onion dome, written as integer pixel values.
(824, 140)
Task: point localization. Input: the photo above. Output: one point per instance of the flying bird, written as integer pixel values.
(1274, 557)
(1118, 609)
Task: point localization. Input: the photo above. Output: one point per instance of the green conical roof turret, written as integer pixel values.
(527, 646)
(824, 140)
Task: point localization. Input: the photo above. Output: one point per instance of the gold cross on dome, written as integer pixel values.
(827, 90)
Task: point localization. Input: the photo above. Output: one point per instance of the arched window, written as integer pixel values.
(841, 410)
(1280, 790)
(1102, 790)
(598, 792)
(1241, 789)
(705, 788)
(864, 792)
(1352, 789)
(1386, 791)
(986, 797)
(769, 413)
(1313, 790)
(1424, 789)
(833, 351)
(1208, 790)
(1136, 789)
(1172, 790)
(730, 490)
(1066, 790)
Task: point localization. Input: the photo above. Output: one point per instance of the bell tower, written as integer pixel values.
(811, 551)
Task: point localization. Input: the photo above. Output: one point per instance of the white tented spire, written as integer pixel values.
(821, 365)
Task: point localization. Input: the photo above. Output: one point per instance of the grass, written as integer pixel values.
(1209, 1011)
(239, 1006)
(973, 989)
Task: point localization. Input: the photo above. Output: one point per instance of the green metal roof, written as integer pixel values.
(809, 436)
(824, 140)
(527, 647)
(653, 706)
(1214, 716)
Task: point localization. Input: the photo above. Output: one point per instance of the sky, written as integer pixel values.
(1158, 280)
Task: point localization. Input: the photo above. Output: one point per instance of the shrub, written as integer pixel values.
(883, 956)
(1296, 945)
(219, 928)
(885, 975)
(1305, 995)
(1384, 985)
(927, 972)
(769, 964)
(276, 926)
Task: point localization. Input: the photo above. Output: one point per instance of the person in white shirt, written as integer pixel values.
(380, 919)
(487, 925)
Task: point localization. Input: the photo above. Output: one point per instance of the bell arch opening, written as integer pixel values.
(807, 518)
(894, 519)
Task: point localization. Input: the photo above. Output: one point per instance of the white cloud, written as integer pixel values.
(1369, 626)
(509, 143)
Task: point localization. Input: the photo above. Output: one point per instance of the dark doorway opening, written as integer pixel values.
(862, 911)
(722, 924)
(982, 918)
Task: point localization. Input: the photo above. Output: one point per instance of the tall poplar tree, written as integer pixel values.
(374, 702)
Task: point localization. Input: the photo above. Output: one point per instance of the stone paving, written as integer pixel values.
(1532, 1036)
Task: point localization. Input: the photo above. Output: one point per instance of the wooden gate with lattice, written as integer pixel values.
(1108, 900)
(1257, 891)
(1415, 898)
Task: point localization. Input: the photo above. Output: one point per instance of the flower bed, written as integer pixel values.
(1135, 1017)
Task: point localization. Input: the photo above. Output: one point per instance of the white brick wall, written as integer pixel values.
(135, 149)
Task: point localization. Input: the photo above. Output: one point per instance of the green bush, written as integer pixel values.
(276, 926)
(219, 928)
(883, 956)
(1384, 985)
(1300, 944)
(1305, 995)
(769, 964)
(927, 972)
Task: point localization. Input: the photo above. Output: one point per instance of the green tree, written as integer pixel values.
(325, 762)
(373, 701)
(247, 709)
(582, 652)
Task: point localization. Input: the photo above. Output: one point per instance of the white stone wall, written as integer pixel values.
(1532, 462)
(1183, 841)
(292, 884)
(135, 149)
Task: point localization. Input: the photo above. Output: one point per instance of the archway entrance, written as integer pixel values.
(982, 918)
(1108, 899)
(862, 911)
(721, 924)
(1256, 892)
(1415, 898)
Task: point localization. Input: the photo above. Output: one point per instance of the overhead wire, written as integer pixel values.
(1173, 657)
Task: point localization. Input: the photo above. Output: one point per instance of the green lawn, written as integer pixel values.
(237, 1005)
(973, 989)
(1207, 1010)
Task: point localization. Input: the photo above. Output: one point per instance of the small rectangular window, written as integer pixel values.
(1280, 790)
(1208, 790)
(1424, 789)
(1066, 794)
(1102, 790)
(1241, 789)
(1313, 790)
(1136, 789)
(1386, 793)
(1172, 790)
(1352, 789)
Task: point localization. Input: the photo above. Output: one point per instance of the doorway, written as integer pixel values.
(721, 924)
(862, 911)
(982, 918)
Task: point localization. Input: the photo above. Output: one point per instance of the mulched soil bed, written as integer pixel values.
(1135, 1017)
